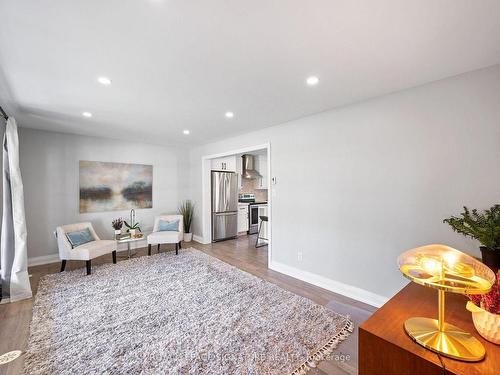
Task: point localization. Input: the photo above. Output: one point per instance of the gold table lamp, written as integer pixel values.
(447, 270)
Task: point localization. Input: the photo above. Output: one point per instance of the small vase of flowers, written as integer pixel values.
(485, 309)
(117, 225)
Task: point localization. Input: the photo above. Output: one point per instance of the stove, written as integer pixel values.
(246, 198)
(253, 212)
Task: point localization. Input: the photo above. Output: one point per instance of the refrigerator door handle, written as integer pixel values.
(226, 192)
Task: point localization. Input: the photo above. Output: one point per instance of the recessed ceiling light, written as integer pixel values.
(87, 114)
(312, 80)
(229, 114)
(104, 81)
(186, 132)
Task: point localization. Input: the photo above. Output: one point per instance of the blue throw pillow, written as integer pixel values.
(80, 237)
(169, 226)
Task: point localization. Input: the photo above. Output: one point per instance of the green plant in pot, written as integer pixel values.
(484, 227)
(133, 226)
(186, 209)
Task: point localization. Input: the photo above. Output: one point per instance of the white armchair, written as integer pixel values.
(166, 237)
(87, 251)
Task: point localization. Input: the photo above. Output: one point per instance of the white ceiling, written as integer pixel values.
(178, 64)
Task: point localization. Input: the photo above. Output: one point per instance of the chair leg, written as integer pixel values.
(149, 249)
(89, 267)
(259, 238)
(63, 265)
(176, 249)
(114, 256)
(158, 248)
(180, 245)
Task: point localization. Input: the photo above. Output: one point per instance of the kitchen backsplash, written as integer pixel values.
(248, 186)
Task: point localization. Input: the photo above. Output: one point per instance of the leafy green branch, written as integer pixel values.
(482, 226)
(132, 226)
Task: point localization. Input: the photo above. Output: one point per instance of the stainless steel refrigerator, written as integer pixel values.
(224, 205)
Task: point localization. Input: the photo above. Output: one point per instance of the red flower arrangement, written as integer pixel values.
(489, 301)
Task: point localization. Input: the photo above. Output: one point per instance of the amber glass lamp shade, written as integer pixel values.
(447, 270)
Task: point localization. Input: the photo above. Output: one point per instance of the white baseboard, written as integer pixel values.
(54, 258)
(45, 259)
(331, 285)
(200, 239)
(309, 277)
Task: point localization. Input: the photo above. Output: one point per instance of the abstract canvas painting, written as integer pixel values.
(115, 186)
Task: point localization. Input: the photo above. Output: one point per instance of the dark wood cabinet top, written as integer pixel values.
(415, 300)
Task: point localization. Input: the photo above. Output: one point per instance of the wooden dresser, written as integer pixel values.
(386, 349)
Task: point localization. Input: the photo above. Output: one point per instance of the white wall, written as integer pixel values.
(49, 167)
(2, 132)
(357, 186)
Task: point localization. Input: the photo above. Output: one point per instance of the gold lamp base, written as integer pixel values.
(451, 341)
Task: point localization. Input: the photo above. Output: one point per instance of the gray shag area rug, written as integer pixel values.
(168, 314)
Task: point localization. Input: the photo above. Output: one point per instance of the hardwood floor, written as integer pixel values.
(15, 318)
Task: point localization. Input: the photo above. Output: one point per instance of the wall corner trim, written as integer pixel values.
(338, 287)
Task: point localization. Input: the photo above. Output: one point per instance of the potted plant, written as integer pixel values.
(133, 227)
(117, 225)
(485, 311)
(186, 209)
(484, 227)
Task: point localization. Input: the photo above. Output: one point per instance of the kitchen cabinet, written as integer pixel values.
(227, 164)
(239, 171)
(243, 217)
(261, 182)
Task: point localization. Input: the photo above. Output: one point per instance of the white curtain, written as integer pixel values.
(14, 257)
